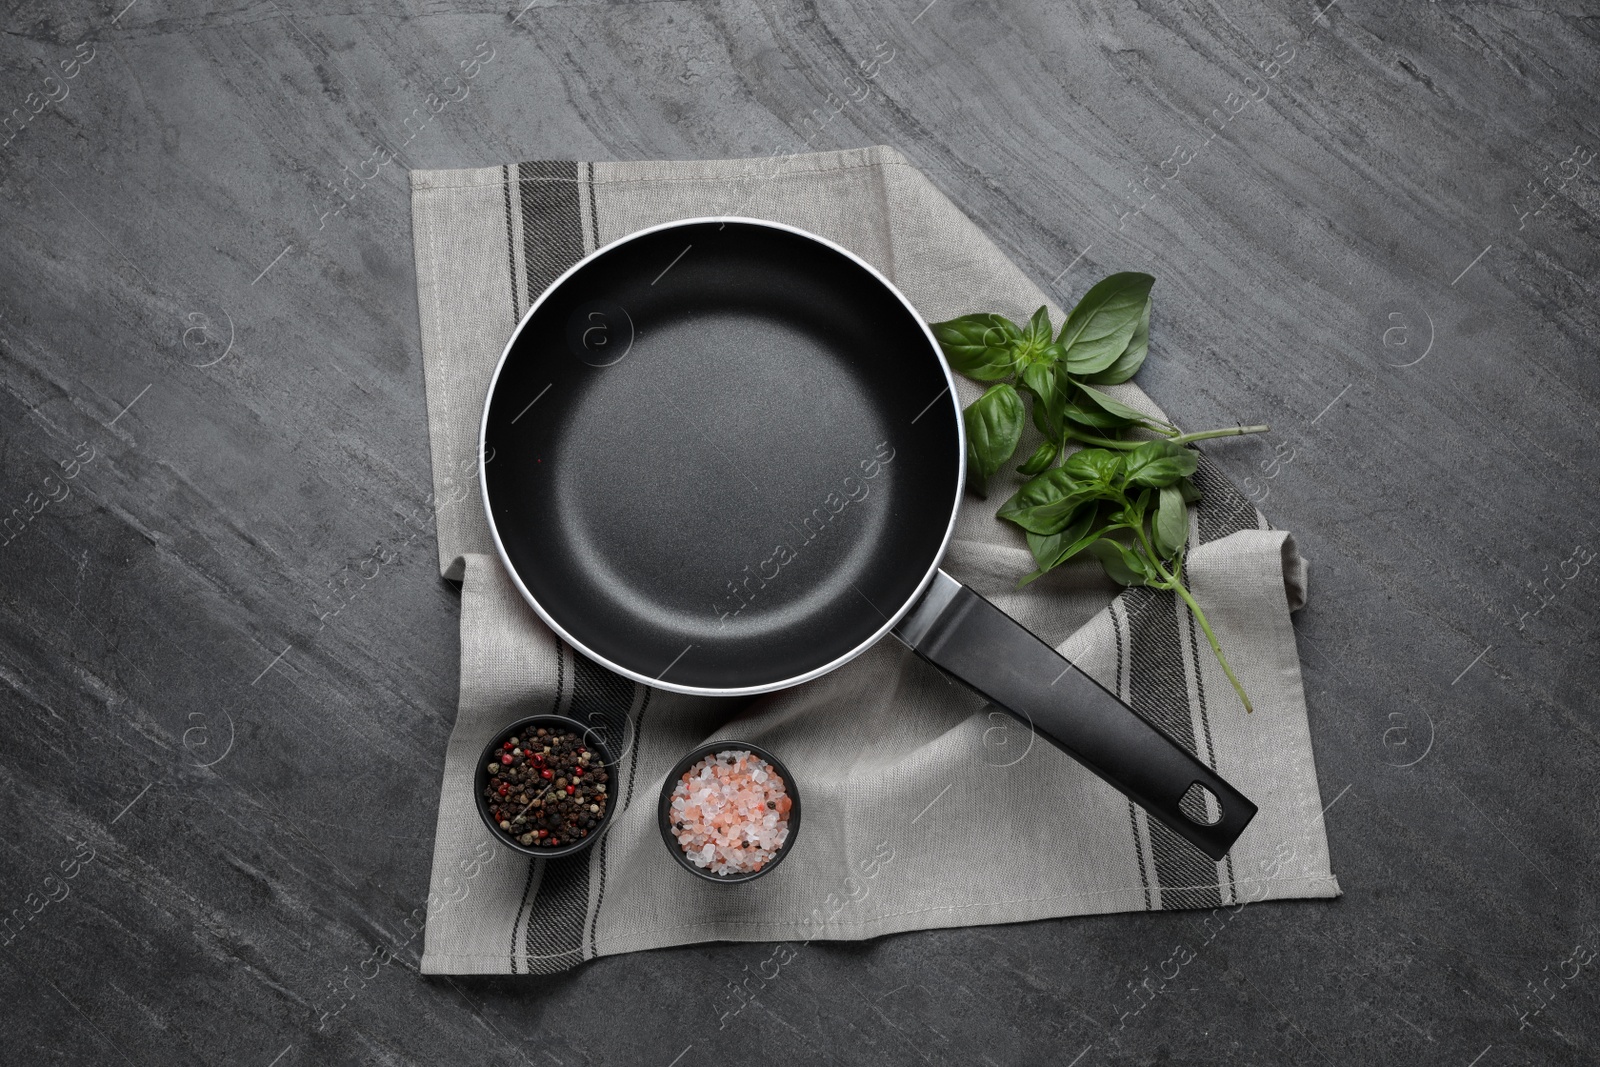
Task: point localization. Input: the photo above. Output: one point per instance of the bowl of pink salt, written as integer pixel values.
(729, 811)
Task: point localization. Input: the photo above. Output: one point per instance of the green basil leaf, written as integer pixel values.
(1051, 552)
(1080, 409)
(1046, 382)
(1041, 459)
(1094, 465)
(1191, 495)
(1071, 548)
(1036, 338)
(1039, 379)
(1046, 547)
(1051, 518)
(1125, 566)
(1160, 463)
(1172, 521)
(980, 346)
(994, 426)
(1046, 504)
(1132, 358)
(1047, 488)
(1100, 328)
(1113, 406)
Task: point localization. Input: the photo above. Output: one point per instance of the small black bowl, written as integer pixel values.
(665, 806)
(520, 729)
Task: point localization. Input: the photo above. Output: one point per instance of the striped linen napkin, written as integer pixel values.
(924, 807)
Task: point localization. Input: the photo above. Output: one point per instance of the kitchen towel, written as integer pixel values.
(924, 807)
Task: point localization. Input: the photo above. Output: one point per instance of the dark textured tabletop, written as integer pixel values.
(230, 665)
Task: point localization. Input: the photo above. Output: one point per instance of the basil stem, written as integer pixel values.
(1171, 581)
(1206, 435)
(1180, 439)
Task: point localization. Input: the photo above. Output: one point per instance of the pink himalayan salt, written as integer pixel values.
(730, 812)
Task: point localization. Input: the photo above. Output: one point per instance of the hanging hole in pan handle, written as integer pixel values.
(1200, 805)
(975, 642)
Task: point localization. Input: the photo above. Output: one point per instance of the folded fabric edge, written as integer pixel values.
(653, 170)
(1113, 901)
(1281, 542)
(446, 963)
(1005, 912)
(1295, 573)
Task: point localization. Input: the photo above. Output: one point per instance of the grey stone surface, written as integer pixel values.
(213, 686)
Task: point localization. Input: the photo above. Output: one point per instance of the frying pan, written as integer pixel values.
(727, 457)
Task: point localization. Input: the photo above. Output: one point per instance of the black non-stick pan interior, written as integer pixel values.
(723, 455)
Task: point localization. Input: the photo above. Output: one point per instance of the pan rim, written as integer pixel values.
(768, 687)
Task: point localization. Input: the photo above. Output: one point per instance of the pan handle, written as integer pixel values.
(963, 634)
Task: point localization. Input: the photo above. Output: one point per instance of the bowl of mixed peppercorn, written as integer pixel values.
(543, 786)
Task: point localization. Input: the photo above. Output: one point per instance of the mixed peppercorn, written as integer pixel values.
(542, 790)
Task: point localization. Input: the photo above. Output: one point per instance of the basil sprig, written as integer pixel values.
(1122, 500)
